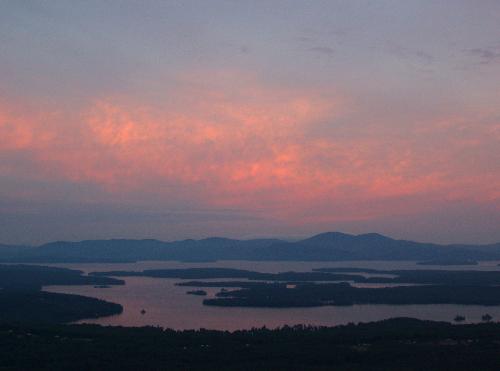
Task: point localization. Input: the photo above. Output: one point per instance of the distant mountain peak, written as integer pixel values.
(339, 236)
(216, 239)
(329, 246)
(328, 236)
(373, 236)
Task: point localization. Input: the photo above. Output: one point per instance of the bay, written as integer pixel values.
(167, 305)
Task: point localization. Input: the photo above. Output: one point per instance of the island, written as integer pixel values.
(197, 292)
(308, 294)
(445, 262)
(358, 275)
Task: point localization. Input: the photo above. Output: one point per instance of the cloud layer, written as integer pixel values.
(183, 119)
(231, 141)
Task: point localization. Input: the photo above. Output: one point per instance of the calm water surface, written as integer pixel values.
(167, 305)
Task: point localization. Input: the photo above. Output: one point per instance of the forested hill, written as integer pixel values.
(329, 246)
(22, 299)
(394, 345)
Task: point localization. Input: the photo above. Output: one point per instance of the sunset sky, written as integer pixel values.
(189, 119)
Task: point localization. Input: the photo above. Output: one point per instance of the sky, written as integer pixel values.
(189, 119)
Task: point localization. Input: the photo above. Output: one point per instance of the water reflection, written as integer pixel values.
(168, 305)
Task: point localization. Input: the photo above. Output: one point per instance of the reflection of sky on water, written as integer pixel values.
(167, 305)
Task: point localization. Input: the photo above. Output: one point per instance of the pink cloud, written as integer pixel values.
(232, 141)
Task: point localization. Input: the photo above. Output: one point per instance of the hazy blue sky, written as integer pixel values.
(177, 119)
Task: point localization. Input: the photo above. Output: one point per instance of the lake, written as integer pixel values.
(169, 306)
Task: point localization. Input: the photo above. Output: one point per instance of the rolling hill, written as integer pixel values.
(330, 246)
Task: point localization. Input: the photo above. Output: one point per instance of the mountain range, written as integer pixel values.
(330, 246)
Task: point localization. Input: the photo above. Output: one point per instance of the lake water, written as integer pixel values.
(168, 305)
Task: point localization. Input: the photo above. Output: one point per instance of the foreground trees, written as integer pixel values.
(397, 344)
